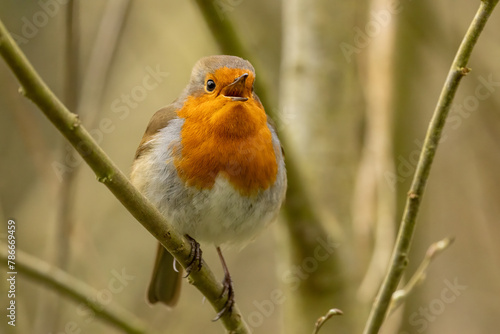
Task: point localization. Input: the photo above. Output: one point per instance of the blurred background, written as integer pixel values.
(352, 86)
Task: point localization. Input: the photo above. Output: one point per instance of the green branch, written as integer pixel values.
(69, 286)
(400, 254)
(106, 171)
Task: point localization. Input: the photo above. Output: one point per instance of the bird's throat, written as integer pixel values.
(236, 120)
(233, 141)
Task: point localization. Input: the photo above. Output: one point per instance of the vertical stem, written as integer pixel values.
(65, 217)
(374, 201)
(399, 258)
(320, 123)
(49, 308)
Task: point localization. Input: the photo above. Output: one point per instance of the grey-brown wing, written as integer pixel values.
(159, 121)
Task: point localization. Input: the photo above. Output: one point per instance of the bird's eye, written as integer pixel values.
(210, 85)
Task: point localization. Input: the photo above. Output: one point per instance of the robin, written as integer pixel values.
(212, 163)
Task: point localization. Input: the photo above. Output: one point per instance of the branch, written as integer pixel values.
(399, 296)
(106, 172)
(67, 285)
(399, 258)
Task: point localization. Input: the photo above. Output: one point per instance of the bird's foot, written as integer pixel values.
(228, 289)
(228, 306)
(195, 254)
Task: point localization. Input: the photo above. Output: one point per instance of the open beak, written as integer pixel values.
(236, 91)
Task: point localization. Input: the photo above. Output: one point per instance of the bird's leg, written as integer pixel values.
(228, 287)
(195, 255)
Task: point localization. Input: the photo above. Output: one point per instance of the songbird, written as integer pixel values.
(212, 163)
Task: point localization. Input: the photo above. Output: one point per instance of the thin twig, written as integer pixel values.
(106, 172)
(101, 59)
(321, 321)
(399, 296)
(71, 287)
(66, 200)
(49, 308)
(400, 254)
(72, 54)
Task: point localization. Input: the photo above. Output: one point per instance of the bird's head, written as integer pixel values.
(220, 93)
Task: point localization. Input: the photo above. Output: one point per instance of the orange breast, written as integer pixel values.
(229, 138)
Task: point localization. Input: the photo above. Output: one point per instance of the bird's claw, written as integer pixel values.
(195, 254)
(227, 284)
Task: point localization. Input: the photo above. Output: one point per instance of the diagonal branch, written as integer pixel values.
(399, 258)
(106, 172)
(75, 289)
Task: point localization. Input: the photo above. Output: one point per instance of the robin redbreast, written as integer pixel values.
(212, 163)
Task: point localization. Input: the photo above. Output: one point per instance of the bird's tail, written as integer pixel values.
(165, 285)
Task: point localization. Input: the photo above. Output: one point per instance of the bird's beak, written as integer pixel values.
(236, 91)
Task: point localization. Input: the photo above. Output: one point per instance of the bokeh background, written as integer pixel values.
(352, 86)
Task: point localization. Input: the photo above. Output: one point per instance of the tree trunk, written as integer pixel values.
(321, 120)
